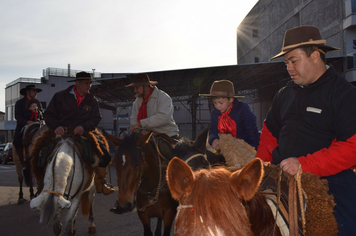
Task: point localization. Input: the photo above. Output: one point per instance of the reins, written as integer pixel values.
(155, 199)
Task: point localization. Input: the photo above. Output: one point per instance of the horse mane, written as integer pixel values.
(209, 184)
(184, 148)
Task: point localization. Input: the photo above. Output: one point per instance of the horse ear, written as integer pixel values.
(200, 141)
(245, 182)
(113, 139)
(180, 178)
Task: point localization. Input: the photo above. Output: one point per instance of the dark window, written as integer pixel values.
(254, 33)
(257, 59)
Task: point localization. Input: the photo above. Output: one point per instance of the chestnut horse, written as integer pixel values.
(141, 163)
(221, 202)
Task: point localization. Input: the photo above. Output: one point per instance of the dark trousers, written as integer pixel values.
(343, 187)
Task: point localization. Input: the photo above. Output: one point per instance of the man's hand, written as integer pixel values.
(59, 130)
(290, 165)
(78, 130)
(134, 126)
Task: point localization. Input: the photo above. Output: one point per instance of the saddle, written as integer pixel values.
(282, 194)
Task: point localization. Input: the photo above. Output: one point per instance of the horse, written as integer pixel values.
(219, 201)
(23, 167)
(140, 162)
(68, 183)
(195, 153)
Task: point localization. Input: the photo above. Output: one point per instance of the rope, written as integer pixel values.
(278, 198)
(54, 192)
(300, 196)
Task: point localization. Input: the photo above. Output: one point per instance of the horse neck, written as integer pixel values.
(260, 214)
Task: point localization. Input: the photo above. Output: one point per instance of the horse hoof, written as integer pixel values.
(92, 230)
(21, 201)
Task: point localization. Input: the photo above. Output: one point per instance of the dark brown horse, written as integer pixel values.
(221, 202)
(23, 167)
(141, 163)
(195, 153)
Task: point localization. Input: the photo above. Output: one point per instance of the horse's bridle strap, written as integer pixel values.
(54, 192)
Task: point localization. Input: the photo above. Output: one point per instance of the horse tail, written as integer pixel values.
(85, 205)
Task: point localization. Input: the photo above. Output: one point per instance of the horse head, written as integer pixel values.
(129, 162)
(204, 194)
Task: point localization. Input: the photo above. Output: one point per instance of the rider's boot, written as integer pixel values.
(100, 182)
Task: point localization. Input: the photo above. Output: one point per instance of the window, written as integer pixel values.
(254, 33)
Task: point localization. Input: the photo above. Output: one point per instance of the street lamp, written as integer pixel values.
(93, 74)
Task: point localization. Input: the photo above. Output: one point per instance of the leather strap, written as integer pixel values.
(293, 214)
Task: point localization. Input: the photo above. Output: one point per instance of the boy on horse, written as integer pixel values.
(75, 107)
(311, 122)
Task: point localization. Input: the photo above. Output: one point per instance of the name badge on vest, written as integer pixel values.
(313, 109)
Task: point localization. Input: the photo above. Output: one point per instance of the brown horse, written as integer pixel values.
(23, 167)
(221, 202)
(141, 163)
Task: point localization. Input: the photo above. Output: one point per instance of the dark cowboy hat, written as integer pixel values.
(222, 88)
(303, 36)
(29, 87)
(82, 76)
(29, 102)
(140, 80)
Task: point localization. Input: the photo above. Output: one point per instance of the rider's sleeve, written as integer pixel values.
(341, 155)
(267, 144)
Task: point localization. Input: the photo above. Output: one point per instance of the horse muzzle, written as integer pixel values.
(121, 210)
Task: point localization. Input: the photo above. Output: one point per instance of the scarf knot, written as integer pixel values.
(226, 124)
(79, 98)
(34, 115)
(142, 112)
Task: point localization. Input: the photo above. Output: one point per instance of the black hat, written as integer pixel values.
(29, 87)
(82, 76)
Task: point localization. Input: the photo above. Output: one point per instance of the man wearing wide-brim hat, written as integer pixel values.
(153, 108)
(22, 114)
(78, 110)
(311, 122)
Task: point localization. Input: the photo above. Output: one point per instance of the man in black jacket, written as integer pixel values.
(22, 115)
(76, 108)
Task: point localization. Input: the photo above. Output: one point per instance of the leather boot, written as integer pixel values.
(100, 182)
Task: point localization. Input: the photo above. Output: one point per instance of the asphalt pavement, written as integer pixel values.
(21, 220)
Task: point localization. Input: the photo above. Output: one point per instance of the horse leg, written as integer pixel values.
(70, 221)
(168, 221)
(57, 226)
(92, 227)
(158, 231)
(18, 166)
(146, 221)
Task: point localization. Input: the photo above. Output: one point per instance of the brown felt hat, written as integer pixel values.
(82, 76)
(222, 88)
(29, 87)
(140, 80)
(303, 36)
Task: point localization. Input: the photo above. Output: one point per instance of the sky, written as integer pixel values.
(116, 36)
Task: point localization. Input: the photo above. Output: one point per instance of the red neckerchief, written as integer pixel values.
(142, 112)
(34, 115)
(79, 98)
(226, 124)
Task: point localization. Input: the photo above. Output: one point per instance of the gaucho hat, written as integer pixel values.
(222, 88)
(29, 102)
(303, 36)
(140, 80)
(82, 76)
(29, 87)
